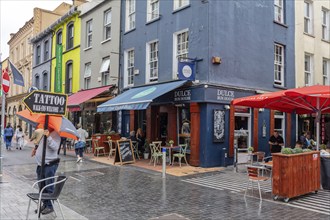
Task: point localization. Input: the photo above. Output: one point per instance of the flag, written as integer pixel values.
(17, 75)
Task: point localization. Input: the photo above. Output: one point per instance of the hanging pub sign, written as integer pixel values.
(186, 70)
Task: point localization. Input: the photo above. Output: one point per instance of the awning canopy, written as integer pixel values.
(138, 98)
(76, 99)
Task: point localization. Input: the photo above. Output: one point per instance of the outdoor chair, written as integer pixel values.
(260, 157)
(97, 148)
(41, 196)
(254, 176)
(136, 149)
(155, 153)
(112, 148)
(182, 154)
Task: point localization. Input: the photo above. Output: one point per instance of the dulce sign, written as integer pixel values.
(46, 103)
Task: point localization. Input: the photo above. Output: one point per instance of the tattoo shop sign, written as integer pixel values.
(46, 103)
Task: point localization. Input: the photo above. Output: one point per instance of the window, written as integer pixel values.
(326, 71)
(89, 32)
(181, 40)
(59, 37)
(38, 57)
(278, 65)
(87, 75)
(180, 3)
(45, 81)
(68, 80)
(325, 24)
(129, 68)
(308, 17)
(107, 25)
(279, 123)
(105, 71)
(37, 81)
(308, 69)
(152, 61)
(242, 132)
(152, 10)
(46, 50)
(130, 14)
(278, 11)
(70, 33)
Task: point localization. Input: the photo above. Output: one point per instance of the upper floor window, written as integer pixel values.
(37, 81)
(181, 40)
(325, 24)
(152, 61)
(179, 4)
(308, 69)
(59, 37)
(46, 50)
(89, 33)
(129, 68)
(68, 78)
(70, 34)
(105, 70)
(278, 65)
(87, 75)
(38, 57)
(326, 71)
(107, 25)
(152, 9)
(278, 11)
(308, 17)
(130, 15)
(45, 81)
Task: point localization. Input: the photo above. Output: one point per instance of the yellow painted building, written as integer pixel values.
(65, 67)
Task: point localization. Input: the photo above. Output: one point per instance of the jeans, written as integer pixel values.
(8, 141)
(49, 171)
(79, 151)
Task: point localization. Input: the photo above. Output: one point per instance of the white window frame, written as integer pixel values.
(308, 17)
(129, 62)
(279, 11)
(105, 71)
(152, 10)
(179, 54)
(308, 67)
(107, 24)
(46, 50)
(87, 82)
(279, 61)
(177, 4)
(130, 14)
(325, 24)
(38, 55)
(89, 33)
(280, 116)
(326, 71)
(152, 62)
(249, 131)
(88, 70)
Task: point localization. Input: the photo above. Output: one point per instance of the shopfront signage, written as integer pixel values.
(46, 102)
(182, 95)
(225, 95)
(124, 152)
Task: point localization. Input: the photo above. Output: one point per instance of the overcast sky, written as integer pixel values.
(14, 14)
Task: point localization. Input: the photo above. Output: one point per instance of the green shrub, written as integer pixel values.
(286, 151)
(323, 147)
(250, 149)
(297, 150)
(307, 150)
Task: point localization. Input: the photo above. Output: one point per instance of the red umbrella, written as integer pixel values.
(305, 100)
(60, 124)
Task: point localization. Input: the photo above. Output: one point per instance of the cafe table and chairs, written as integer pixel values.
(254, 174)
(88, 148)
(182, 154)
(170, 148)
(98, 150)
(135, 146)
(155, 153)
(112, 147)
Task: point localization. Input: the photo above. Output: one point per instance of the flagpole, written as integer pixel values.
(2, 122)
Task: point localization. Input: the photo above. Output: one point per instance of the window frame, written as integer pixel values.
(37, 80)
(38, 54)
(279, 6)
(45, 80)
(105, 75)
(129, 65)
(176, 54)
(325, 24)
(107, 25)
(152, 10)
(308, 17)
(278, 115)
(152, 61)
(326, 71)
(89, 33)
(46, 50)
(178, 4)
(308, 74)
(279, 63)
(70, 36)
(68, 77)
(59, 37)
(130, 15)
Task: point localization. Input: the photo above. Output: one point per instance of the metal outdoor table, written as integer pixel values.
(170, 151)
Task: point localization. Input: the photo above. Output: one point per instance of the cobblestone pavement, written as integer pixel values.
(98, 191)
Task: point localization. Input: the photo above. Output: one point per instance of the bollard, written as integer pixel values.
(164, 162)
(224, 156)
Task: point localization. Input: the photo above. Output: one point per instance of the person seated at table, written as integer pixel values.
(132, 136)
(299, 144)
(140, 139)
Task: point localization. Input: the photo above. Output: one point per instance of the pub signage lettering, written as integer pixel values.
(226, 95)
(182, 95)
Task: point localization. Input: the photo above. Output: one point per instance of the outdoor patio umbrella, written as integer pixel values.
(60, 124)
(305, 100)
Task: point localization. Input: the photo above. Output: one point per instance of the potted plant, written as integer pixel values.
(171, 142)
(250, 150)
(146, 150)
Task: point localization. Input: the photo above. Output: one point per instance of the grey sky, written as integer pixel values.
(14, 14)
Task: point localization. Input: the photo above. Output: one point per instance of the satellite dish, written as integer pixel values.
(31, 89)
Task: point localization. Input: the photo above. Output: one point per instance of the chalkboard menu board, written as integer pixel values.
(124, 152)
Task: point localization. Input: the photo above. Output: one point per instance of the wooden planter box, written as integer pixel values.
(295, 174)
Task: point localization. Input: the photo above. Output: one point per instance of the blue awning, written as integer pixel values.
(138, 98)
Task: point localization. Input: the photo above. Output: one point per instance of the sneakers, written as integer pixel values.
(41, 209)
(79, 159)
(47, 210)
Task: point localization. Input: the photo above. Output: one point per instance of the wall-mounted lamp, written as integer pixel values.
(227, 107)
(216, 60)
(261, 109)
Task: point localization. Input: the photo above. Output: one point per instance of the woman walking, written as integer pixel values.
(8, 135)
(80, 145)
(19, 137)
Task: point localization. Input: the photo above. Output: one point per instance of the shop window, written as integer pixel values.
(184, 125)
(279, 123)
(242, 127)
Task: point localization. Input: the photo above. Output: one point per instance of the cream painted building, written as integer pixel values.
(312, 42)
(20, 54)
